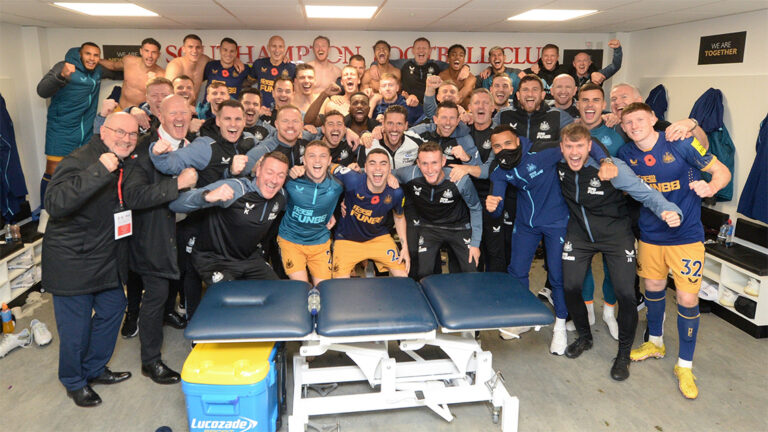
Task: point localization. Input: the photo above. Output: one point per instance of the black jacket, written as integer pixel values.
(147, 192)
(80, 253)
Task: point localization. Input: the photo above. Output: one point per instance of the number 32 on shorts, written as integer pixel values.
(691, 268)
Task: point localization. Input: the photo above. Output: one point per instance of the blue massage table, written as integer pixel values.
(359, 317)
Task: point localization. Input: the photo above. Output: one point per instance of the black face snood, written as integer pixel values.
(509, 159)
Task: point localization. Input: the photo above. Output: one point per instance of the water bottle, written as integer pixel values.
(729, 235)
(313, 301)
(8, 326)
(723, 233)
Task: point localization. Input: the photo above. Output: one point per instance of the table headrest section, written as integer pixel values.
(373, 306)
(465, 301)
(252, 310)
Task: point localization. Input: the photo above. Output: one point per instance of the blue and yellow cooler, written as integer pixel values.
(231, 387)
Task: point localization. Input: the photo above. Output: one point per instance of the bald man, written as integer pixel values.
(563, 92)
(85, 256)
(265, 71)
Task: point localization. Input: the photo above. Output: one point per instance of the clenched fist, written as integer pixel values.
(161, 146)
(187, 178)
(110, 161)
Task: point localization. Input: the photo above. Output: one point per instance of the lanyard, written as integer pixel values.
(120, 188)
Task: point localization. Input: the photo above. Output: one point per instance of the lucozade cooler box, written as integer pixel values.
(231, 386)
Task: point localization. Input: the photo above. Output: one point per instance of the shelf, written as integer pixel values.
(712, 275)
(13, 274)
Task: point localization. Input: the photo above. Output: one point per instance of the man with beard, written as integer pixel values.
(136, 72)
(230, 243)
(402, 149)
(334, 135)
(73, 86)
(254, 125)
(288, 141)
(265, 71)
(502, 89)
(358, 120)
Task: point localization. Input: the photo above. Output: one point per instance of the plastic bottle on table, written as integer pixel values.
(313, 301)
(8, 326)
(729, 235)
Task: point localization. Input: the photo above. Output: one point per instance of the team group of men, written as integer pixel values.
(305, 171)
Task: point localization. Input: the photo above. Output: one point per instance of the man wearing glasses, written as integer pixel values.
(85, 256)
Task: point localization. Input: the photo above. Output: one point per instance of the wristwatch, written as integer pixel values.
(606, 160)
(695, 123)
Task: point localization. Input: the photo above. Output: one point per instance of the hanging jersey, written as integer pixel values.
(670, 168)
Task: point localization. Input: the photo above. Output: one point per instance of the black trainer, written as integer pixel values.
(578, 346)
(620, 368)
(130, 326)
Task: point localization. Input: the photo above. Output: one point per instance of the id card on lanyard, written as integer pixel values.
(123, 218)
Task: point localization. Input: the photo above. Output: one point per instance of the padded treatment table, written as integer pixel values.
(252, 311)
(360, 317)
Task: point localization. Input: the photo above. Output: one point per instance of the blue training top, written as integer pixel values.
(309, 208)
(669, 168)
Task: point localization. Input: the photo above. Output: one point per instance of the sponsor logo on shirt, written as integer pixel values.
(633, 162)
(561, 174)
(248, 208)
(225, 161)
(417, 190)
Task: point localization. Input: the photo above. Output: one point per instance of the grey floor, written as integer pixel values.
(556, 393)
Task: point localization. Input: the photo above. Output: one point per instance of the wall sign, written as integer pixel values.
(116, 52)
(722, 48)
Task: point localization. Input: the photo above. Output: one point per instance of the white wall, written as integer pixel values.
(20, 70)
(669, 56)
(665, 55)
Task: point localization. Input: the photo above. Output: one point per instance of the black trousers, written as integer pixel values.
(133, 292)
(214, 268)
(151, 317)
(189, 280)
(493, 247)
(619, 254)
(430, 240)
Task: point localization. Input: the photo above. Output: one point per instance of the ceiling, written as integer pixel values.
(413, 15)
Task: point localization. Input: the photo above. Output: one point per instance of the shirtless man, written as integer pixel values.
(192, 62)
(456, 62)
(381, 50)
(334, 98)
(136, 72)
(306, 86)
(325, 72)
